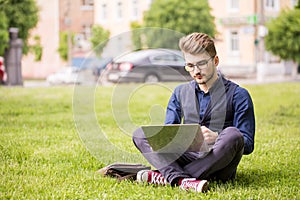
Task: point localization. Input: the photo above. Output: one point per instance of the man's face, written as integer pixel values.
(205, 70)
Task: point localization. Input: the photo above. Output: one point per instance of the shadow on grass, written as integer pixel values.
(255, 179)
(252, 180)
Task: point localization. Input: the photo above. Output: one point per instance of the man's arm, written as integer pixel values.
(244, 118)
(173, 113)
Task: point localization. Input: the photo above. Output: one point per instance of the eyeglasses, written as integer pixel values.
(200, 65)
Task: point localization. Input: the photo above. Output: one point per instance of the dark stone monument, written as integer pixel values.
(13, 57)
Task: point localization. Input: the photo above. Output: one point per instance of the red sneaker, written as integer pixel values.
(194, 185)
(149, 176)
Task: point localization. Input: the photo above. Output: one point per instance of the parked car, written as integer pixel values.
(149, 65)
(66, 75)
(99, 65)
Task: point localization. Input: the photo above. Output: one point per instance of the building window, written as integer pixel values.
(87, 5)
(104, 11)
(234, 42)
(87, 31)
(272, 5)
(119, 10)
(135, 9)
(294, 3)
(149, 2)
(233, 5)
(87, 2)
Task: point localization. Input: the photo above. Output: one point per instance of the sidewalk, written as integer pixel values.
(35, 83)
(241, 81)
(250, 81)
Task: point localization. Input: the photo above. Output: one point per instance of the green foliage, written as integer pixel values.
(37, 48)
(298, 5)
(283, 38)
(63, 44)
(136, 39)
(156, 37)
(42, 156)
(22, 14)
(4, 36)
(99, 39)
(182, 17)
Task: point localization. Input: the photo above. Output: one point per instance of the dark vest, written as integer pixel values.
(219, 112)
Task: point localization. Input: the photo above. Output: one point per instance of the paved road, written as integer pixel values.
(249, 81)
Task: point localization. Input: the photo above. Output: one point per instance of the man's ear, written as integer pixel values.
(216, 61)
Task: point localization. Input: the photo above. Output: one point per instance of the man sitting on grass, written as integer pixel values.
(222, 108)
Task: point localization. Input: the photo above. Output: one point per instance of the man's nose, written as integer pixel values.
(196, 69)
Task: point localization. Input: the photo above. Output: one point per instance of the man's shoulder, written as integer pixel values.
(190, 84)
(241, 93)
(228, 82)
(185, 87)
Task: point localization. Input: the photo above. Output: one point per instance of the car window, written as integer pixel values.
(180, 60)
(162, 59)
(130, 57)
(167, 60)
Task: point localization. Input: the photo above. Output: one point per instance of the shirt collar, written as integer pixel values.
(195, 85)
(214, 86)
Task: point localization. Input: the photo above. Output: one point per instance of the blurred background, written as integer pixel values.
(255, 39)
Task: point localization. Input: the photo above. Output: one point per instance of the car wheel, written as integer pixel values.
(151, 78)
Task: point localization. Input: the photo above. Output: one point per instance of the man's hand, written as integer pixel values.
(209, 136)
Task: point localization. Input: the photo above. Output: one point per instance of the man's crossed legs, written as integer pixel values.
(219, 164)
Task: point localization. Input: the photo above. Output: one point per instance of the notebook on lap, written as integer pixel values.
(175, 138)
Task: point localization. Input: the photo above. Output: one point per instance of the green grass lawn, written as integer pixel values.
(54, 139)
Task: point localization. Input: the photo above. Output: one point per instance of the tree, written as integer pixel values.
(283, 37)
(99, 39)
(37, 48)
(136, 39)
(298, 5)
(22, 14)
(63, 48)
(180, 16)
(3, 32)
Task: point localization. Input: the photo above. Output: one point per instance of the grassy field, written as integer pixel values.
(54, 139)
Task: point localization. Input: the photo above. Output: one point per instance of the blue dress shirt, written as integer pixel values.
(243, 117)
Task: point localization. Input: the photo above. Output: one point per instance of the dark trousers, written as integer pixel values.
(219, 164)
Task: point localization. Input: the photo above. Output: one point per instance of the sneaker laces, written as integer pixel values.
(195, 185)
(188, 183)
(157, 178)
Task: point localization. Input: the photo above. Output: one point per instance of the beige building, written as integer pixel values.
(48, 30)
(55, 16)
(117, 16)
(239, 41)
(241, 30)
(240, 26)
(77, 16)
